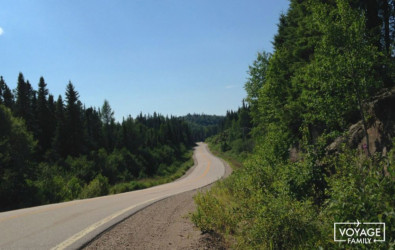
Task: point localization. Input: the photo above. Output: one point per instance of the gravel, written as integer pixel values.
(165, 224)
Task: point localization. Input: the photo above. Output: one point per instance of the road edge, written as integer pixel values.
(227, 172)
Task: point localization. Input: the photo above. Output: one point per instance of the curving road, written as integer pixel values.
(70, 225)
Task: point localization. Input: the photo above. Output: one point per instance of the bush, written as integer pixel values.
(361, 190)
(97, 187)
(81, 167)
(275, 207)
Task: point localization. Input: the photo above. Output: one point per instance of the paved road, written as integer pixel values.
(70, 225)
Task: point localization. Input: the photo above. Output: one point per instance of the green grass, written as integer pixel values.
(216, 208)
(234, 161)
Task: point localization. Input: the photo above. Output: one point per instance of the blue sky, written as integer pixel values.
(170, 56)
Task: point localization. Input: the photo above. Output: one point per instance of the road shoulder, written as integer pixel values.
(163, 225)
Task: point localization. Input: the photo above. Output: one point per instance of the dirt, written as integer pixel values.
(163, 225)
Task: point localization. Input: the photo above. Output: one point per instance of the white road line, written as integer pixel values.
(91, 228)
(96, 225)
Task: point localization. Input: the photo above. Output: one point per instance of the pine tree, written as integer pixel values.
(59, 140)
(51, 116)
(73, 122)
(2, 87)
(8, 97)
(22, 105)
(107, 117)
(43, 117)
(93, 126)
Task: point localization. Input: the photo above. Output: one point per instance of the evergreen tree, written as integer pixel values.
(73, 122)
(93, 127)
(43, 117)
(23, 100)
(107, 117)
(51, 117)
(59, 142)
(2, 87)
(6, 97)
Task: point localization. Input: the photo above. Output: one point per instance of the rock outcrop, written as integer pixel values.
(381, 126)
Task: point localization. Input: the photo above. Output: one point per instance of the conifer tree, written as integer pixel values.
(8, 97)
(2, 87)
(43, 117)
(74, 126)
(93, 126)
(22, 105)
(59, 141)
(51, 116)
(107, 116)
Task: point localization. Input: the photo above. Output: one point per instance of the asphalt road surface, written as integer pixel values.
(70, 225)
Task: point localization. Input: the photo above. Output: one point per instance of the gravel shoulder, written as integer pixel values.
(165, 224)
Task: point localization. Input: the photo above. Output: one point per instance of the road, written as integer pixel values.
(70, 225)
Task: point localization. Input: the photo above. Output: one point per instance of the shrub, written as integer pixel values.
(97, 187)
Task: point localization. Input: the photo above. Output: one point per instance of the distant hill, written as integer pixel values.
(202, 125)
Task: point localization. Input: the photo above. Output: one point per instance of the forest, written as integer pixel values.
(312, 143)
(58, 150)
(315, 133)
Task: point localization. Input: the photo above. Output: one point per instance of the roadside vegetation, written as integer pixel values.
(303, 169)
(53, 151)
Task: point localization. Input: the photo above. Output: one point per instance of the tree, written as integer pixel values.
(107, 117)
(342, 75)
(93, 127)
(16, 147)
(24, 94)
(2, 87)
(257, 76)
(59, 142)
(6, 96)
(43, 117)
(73, 122)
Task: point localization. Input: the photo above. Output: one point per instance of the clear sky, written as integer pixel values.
(170, 56)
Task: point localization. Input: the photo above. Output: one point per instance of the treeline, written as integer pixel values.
(203, 126)
(55, 150)
(234, 136)
(330, 58)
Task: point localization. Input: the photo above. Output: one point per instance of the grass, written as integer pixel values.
(215, 213)
(234, 161)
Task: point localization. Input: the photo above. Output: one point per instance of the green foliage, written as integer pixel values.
(16, 149)
(97, 187)
(74, 131)
(66, 151)
(6, 96)
(234, 139)
(325, 66)
(203, 126)
(216, 210)
(276, 207)
(81, 167)
(362, 190)
(342, 73)
(166, 174)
